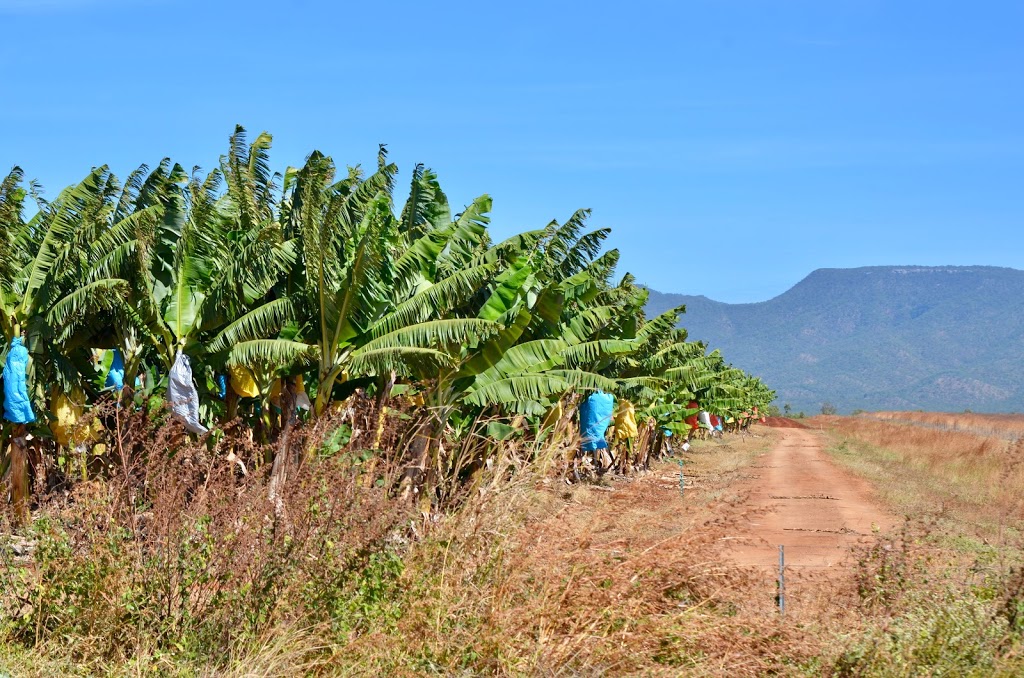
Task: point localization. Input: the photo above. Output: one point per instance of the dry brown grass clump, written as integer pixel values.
(178, 558)
(1009, 426)
(536, 577)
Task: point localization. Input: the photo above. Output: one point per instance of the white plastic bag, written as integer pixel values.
(183, 395)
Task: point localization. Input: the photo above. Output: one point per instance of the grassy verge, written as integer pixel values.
(1007, 426)
(945, 596)
(531, 576)
(545, 578)
(970, 483)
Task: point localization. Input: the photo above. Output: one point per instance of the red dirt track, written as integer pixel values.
(783, 422)
(801, 499)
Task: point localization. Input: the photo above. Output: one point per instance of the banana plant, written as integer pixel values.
(60, 291)
(318, 271)
(377, 293)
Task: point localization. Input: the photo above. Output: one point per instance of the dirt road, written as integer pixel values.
(798, 497)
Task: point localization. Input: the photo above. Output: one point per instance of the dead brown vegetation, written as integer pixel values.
(183, 567)
(1009, 426)
(621, 578)
(927, 470)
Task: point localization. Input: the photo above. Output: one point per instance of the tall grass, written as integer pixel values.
(181, 557)
(181, 565)
(919, 470)
(538, 578)
(1010, 426)
(946, 596)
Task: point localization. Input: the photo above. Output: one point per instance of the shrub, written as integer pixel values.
(940, 635)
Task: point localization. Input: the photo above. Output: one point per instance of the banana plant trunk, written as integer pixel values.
(384, 386)
(231, 404)
(423, 450)
(19, 475)
(282, 460)
(324, 390)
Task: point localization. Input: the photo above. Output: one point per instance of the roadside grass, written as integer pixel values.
(627, 578)
(19, 661)
(974, 482)
(619, 578)
(1010, 426)
(922, 608)
(945, 596)
(529, 576)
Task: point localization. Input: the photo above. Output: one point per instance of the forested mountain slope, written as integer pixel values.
(882, 337)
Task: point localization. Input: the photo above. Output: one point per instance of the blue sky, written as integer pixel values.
(733, 145)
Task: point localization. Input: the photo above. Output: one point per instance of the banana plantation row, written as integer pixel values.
(315, 279)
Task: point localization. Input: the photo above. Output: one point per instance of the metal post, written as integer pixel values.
(682, 481)
(782, 579)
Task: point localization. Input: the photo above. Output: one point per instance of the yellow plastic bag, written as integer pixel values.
(67, 410)
(242, 382)
(625, 421)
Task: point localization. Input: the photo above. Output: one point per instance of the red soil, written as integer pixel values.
(783, 422)
(798, 497)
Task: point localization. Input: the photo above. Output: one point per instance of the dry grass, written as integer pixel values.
(957, 475)
(945, 596)
(623, 578)
(177, 559)
(529, 577)
(1009, 426)
(628, 579)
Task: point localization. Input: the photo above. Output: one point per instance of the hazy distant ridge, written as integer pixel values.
(880, 337)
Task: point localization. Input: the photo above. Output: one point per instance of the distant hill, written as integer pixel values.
(883, 337)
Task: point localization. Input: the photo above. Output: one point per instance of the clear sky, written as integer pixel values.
(733, 145)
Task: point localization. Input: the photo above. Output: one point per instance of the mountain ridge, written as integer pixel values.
(877, 337)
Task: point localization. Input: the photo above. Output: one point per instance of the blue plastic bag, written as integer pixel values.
(222, 386)
(595, 417)
(17, 406)
(115, 377)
